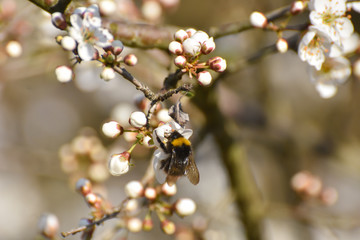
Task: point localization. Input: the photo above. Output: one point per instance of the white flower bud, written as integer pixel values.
(134, 225)
(64, 74)
(134, 189)
(258, 19)
(185, 207)
(217, 64)
(150, 193)
(117, 47)
(176, 48)
(200, 36)
(68, 43)
(112, 129)
(130, 60)
(326, 90)
(132, 205)
(356, 68)
(208, 46)
(282, 45)
(169, 190)
(163, 115)
(191, 47)
(58, 20)
(297, 7)
(107, 74)
(48, 225)
(83, 186)
(138, 119)
(107, 7)
(180, 35)
(204, 78)
(13, 49)
(151, 10)
(190, 31)
(119, 164)
(180, 61)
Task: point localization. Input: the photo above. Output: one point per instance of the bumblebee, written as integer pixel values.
(180, 161)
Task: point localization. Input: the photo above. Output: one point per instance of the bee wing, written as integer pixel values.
(192, 171)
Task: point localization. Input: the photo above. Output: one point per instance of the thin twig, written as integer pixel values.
(111, 215)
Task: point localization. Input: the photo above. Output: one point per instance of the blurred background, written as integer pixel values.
(275, 110)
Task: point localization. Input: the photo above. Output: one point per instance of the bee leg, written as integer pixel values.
(165, 164)
(162, 145)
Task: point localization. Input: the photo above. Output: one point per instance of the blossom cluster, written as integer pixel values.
(88, 40)
(324, 46)
(189, 45)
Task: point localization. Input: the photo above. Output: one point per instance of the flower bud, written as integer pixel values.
(208, 46)
(83, 186)
(132, 205)
(190, 31)
(326, 90)
(163, 115)
(130, 60)
(168, 227)
(93, 200)
(329, 196)
(138, 119)
(134, 224)
(180, 61)
(185, 207)
(217, 64)
(58, 20)
(200, 36)
(204, 78)
(48, 225)
(180, 35)
(150, 193)
(119, 163)
(64, 74)
(282, 45)
(169, 190)
(13, 49)
(151, 10)
(191, 47)
(148, 224)
(175, 47)
(258, 19)
(297, 7)
(107, 7)
(356, 68)
(112, 129)
(68, 43)
(117, 47)
(107, 73)
(134, 189)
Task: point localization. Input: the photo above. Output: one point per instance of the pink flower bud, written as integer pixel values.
(93, 200)
(148, 224)
(58, 20)
(117, 47)
(176, 48)
(180, 35)
(190, 31)
(258, 19)
(200, 36)
(130, 60)
(169, 190)
(208, 46)
(180, 61)
(112, 129)
(204, 78)
(217, 64)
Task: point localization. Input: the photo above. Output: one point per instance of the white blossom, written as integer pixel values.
(119, 164)
(64, 74)
(86, 30)
(138, 119)
(329, 15)
(313, 46)
(258, 19)
(185, 207)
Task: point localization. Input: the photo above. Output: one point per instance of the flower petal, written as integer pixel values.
(86, 51)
